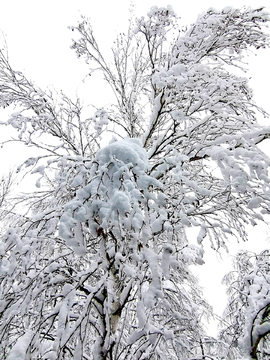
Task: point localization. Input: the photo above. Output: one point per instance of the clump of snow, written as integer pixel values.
(127, 151)
(100, 119)
(121, 203)
(141, 314)
(166, 259)
(18, 351)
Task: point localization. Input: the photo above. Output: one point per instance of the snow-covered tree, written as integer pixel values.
(96, 263)
(248, 310)
(249, 305)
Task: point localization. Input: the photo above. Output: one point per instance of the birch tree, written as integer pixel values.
(96, 263)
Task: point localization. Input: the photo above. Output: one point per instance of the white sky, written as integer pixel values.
(39, 45)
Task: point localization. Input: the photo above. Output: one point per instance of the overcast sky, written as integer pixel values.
(39, 45)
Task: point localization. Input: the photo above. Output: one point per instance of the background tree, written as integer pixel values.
(248, 307)
(97, 262)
